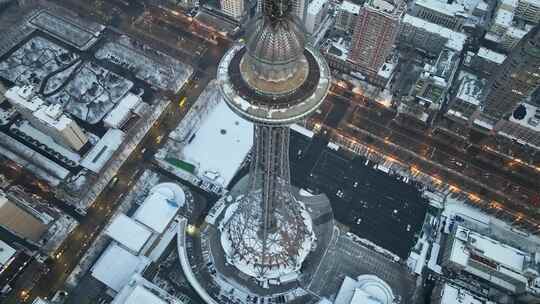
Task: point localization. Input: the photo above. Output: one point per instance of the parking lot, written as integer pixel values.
(372, 204)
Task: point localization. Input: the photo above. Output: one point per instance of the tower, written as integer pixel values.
(517, 77)
(374, 34)
(273, 80)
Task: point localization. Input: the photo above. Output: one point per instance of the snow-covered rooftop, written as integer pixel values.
(23, 97)
(456, 40)
(121, 112)
(506, 259)
(491, 55)
(6, 254)
(161, 206)
(442, 7)
(142, 295)
(128, 232)
(350, 7)
(220, 130)
(103, 150)
(116, 266)
(470, 89)
(366, 289)
(315, 6)
(529, 121)
(452, 295)
(383, 5)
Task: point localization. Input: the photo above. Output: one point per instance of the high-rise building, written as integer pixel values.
(274, 80)
(374, 34)
(517, 77)
(234, 8)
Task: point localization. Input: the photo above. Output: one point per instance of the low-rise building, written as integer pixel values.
(503, 266)
(448, 14)
(467, 99)
(364, 289)
(429, 37)
(50, 119)
(484, 61)
(450, 294)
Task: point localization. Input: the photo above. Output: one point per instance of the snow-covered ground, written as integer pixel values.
(152, 66)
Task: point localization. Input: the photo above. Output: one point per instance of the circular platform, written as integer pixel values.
(260, 107)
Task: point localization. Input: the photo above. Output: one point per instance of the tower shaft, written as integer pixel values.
(270, 170)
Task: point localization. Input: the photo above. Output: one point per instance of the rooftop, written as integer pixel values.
(128, 232)
(442, 7)
(219, 128)
(491, 55)
(456, 40)
(451, 295)
(470, 245)
(366, 289)
(471, 88)
(6, 254)
(142, 295)
(122, 110)
(315, 6)
(116, 266)
(350, 7)
(160, 206)
(531, 119)
(98, 156)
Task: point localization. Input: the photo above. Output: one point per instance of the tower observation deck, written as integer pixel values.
(273, 80)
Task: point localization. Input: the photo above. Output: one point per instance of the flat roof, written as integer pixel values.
(122, 110)
(6, 253)
(468, 241)
(471, 88)
(103, 150)
(491, 55)
(160, 206)
(141, 295)
(530, 112)
(128, 232)
(456, 40)
(350, 7)
(220, 129)
(116, 266)
(452, 295)
(442, 7)
(19, 221)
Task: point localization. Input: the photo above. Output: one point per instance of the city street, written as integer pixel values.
(470, 169)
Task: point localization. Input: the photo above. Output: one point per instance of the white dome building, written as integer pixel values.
(366, 289)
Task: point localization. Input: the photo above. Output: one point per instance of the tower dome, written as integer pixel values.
(274, 62)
